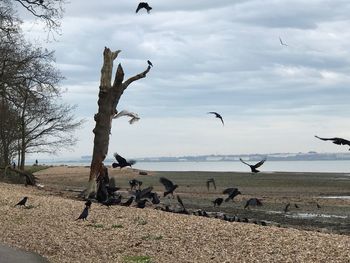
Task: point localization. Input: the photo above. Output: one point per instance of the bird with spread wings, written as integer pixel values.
(253, 167)
(217, 115)
(335, 140)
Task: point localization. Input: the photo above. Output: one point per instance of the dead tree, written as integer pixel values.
(108, 99)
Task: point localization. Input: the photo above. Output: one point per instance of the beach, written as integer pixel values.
(129, 234)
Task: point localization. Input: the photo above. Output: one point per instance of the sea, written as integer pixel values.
(329, 166)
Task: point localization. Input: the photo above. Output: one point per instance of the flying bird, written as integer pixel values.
(122, 162)
(143, 5)
(296, 206)
(232, 193)
(22, 202)
(218, 201)
(149, 63)
(211, 180)
(169, 186)
(336, 140)
(318, 206)
(253, 202)
(253, 167)
(84, 214)
(134, 116)
(283, 44)
(217, 115)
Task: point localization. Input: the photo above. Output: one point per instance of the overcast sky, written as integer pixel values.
(222, 56)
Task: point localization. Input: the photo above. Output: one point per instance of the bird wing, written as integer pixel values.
(214, 184)
(134, 116)
(207, 184)
(167, 183)
(145, 193)
(244, 162)
(119, 159)
(326, 139)
(139, 7)
(259, 163)
(222, 120)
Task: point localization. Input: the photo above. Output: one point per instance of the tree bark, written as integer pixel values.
(108, 99)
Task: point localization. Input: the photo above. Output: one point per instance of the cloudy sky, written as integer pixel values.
(222, 56)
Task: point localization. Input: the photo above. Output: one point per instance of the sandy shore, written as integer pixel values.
(119, 234)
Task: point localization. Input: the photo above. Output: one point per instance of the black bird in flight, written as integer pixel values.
(149, 63)
(336, 140)
(253, 202)
(22, 202)
(128, 202)
(217, 115)
(318, 206)
(218, 201)
(122, 162)
(283, 44)
(211, 180)
(84, 214)
(143, 5)
(253, 167)
(286, 208)
(296, 206)
(232, 193)
(169, 186)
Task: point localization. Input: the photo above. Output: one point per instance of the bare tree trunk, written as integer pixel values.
(108, 99)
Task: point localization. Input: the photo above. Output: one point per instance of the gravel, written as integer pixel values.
(121, 234)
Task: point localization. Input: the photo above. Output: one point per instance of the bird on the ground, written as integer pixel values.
(84, 214)
(296, 206)
(169, 186)
(286, 208)
(143, 5)
(112, 201)
(149, 63)
(253, 202)
(133, 183)
(128, 202)
(218, 201)
(141, 203)
(217, 115)
(134, 116)
(112, 189)
(253, 167)
(232, 193)
(144, 193)
(336, 140)
(88, 203)
(154, 198)
(122, 162)
(22, 202)
(283, 44)
(211, 180)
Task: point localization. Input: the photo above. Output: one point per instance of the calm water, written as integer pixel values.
(342, 166)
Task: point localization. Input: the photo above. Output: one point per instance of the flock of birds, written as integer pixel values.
(107, 193)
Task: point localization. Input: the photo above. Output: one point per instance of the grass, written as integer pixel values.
(137, 259)
(117, 226)
(140, 221)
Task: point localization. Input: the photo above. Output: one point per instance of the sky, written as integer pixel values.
(222, 56)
